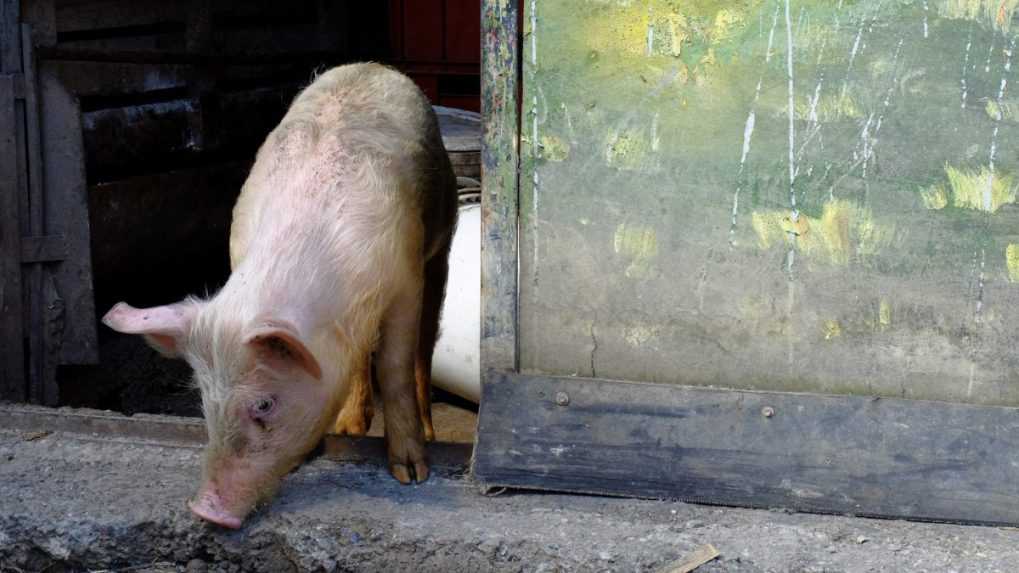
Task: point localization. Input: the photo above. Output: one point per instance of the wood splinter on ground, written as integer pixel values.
(700, 556)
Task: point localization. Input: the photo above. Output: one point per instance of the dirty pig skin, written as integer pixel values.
(338, 249)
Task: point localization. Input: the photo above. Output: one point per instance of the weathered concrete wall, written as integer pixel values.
(781, 194)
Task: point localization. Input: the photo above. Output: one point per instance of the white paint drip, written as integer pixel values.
(535, 142)
(865, 144)
(965, 65)
(989, 189)
(534, 33)
(980, 287)
(972, 378)
(990, 52)
(871, 140)
(795, 214)
(748, 132)
(655, 141)
(650, 29)
(926, 9)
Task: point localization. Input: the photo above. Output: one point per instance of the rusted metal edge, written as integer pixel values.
(447, 458)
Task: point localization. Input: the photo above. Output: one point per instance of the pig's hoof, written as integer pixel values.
(429, 431)
(405, 473)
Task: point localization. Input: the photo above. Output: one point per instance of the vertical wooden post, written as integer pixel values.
(12, 349)
(500, 81)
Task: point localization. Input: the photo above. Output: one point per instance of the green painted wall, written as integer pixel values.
(699, 204)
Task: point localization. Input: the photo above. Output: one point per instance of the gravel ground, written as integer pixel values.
(75, 503)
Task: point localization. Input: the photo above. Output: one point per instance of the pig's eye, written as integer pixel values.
(262, 407)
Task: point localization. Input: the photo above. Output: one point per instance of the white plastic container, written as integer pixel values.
(456, 365)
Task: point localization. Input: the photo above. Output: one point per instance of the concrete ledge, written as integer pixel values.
(74, 502)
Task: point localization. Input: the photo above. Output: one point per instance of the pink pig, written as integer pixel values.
(339, 248)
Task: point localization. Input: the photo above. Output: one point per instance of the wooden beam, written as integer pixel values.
(12, 365)
(10, 37)
(897, 458)
(500, 83)
(46, 249)
(66, 213)
(445, 457)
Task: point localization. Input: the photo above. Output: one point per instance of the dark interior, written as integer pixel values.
(171, 121)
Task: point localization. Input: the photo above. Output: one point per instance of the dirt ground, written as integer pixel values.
(82, 503)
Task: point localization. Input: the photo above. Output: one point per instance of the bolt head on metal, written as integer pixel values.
(562, 398)
(767, 411)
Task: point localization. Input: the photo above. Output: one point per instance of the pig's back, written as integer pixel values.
(350, 114)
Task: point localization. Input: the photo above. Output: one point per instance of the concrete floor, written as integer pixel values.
(73, 502)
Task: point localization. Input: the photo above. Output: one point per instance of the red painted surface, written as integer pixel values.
(438, 44)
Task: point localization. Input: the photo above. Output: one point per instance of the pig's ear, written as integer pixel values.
(164, 327)
(279, 347)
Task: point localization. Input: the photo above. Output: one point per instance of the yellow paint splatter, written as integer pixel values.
(843, 230)
(969, 188)
(639, 244)
(661, 28)
(1012, 262)
(1009, 110)
(995, 13)
(830, 107)
(728, 22)
(884, 314)
(934, 197)
(627, 150)
(832, 329)
(553, 148)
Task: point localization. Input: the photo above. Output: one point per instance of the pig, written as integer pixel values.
(338, 250)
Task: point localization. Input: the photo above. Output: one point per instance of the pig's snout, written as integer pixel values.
(209, 506)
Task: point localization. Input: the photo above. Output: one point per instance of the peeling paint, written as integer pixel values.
(843, 230)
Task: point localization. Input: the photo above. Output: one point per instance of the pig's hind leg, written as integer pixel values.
(355, 418)
(436, 272)
(395, 366)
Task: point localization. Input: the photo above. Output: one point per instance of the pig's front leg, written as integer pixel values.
(395, 368)
(355, 418)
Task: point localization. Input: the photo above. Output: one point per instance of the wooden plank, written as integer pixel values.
(45, 307)
(128, 141)
(46, 249)
(111, 14)
(67, 214)
(831, 454)
(446, 457)
(463, 31)
(10, 37)
(500, 160)
(91, 79)
(12, 367)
